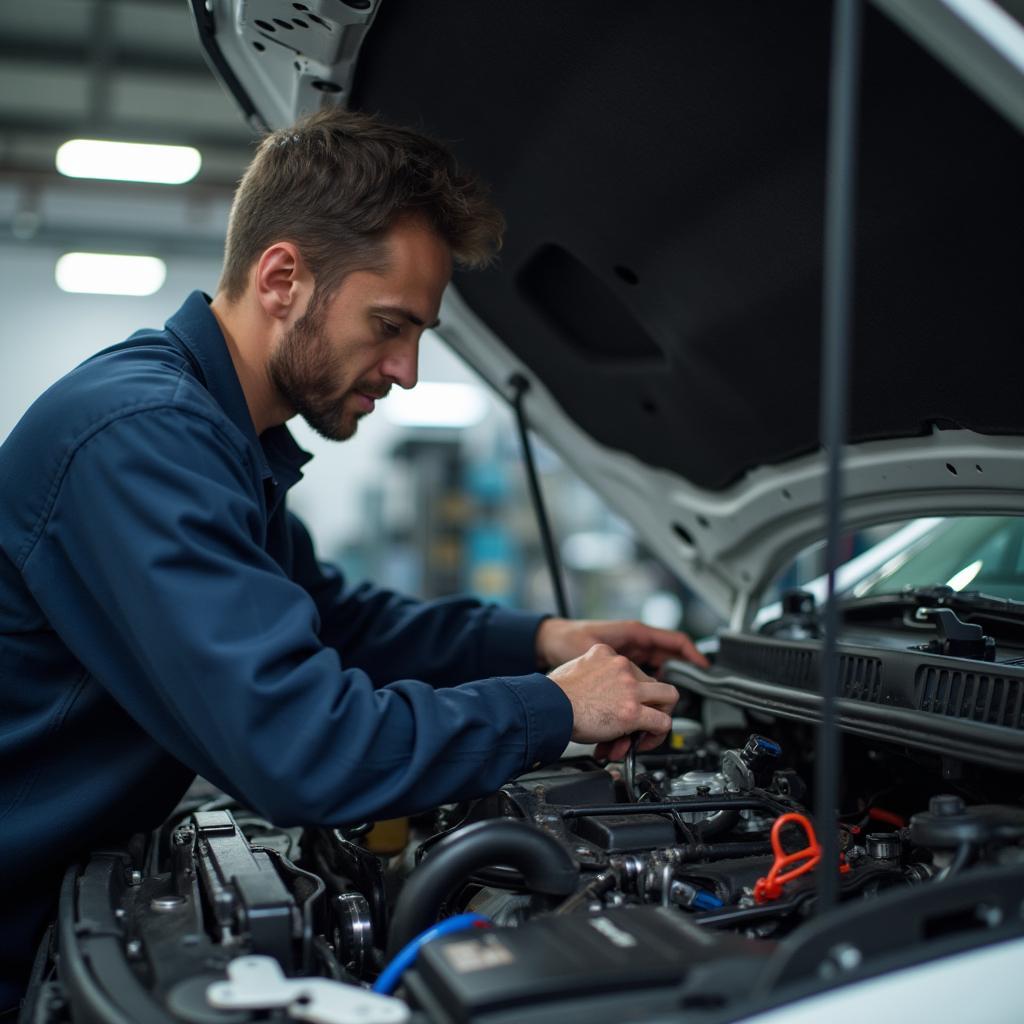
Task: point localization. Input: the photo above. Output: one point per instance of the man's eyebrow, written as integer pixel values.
(407, 314)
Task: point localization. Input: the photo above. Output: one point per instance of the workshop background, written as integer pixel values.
(430, 496)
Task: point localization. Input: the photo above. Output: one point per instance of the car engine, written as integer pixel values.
(680, 879)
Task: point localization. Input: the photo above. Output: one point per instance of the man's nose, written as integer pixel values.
(400, 364)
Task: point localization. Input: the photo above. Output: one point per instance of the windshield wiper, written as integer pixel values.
(921, 608)
(971, 602)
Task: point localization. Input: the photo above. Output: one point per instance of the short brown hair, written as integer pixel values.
(337, 181)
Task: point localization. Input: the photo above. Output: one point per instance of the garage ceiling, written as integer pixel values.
(130, 70)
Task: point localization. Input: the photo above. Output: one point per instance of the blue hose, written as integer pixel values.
(406, 956)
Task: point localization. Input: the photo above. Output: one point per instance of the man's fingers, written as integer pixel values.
(616, 750)
(613, 750)
(661, 644)
(611, 697)
(672, 643)
(692, 654)
(653, 721)
(649, 742)
(659, 695)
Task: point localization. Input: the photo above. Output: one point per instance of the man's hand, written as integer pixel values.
(560, 640)
(612, 698)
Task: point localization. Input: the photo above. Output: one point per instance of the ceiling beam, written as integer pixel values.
(36, 179)
(31, 50)
(152, 243)
(238, 139)
(101, 60)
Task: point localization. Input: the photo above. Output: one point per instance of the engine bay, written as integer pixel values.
(679, 879)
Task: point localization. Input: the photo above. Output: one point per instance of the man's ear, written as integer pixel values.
(282, 281)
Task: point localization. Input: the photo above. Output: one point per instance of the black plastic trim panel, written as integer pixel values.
(892, 720)
(890, 671)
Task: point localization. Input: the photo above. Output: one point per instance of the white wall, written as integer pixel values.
(44, 332)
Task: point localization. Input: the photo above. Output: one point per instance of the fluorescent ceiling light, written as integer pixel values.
(104, 274)
(437, 404)
(128, 161)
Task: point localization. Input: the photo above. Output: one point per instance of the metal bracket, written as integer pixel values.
(258, 983)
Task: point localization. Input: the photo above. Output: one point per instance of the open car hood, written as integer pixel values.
(661, 167)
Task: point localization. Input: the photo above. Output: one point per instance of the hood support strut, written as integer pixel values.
(520, 385)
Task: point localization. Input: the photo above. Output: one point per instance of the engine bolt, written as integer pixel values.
(845, 956)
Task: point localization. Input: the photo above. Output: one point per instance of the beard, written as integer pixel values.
(311, 378)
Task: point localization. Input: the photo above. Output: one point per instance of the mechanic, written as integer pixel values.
(162, 614)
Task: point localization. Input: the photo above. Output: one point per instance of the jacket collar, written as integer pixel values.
(195, 326)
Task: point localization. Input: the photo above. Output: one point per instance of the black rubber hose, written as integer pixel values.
(728, 851)
(546, 865)
(717, 824)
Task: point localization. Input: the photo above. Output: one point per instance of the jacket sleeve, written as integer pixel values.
(390, 636)
(149, 564)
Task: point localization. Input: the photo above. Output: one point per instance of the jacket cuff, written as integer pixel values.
(510, 642)
(548, 717)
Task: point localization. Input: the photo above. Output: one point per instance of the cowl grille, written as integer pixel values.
(789, 666)
(860, 678)
(977, 696)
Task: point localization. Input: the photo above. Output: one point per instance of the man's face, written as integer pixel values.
(347, 350)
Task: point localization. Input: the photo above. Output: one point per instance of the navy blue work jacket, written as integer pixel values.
(163, 614)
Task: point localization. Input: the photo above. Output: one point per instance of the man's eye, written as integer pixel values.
(389, 330)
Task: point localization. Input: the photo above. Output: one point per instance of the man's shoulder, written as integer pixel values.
(149, 371)
(146, 378)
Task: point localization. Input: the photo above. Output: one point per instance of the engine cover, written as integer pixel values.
(562, 960)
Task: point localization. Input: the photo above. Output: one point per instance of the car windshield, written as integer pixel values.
(980, 553)
(968, 553)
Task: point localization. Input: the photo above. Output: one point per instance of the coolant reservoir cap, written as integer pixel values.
(948, 823)
(946, 804)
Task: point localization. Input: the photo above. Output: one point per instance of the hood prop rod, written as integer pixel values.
(840, 207)
(520, 385)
